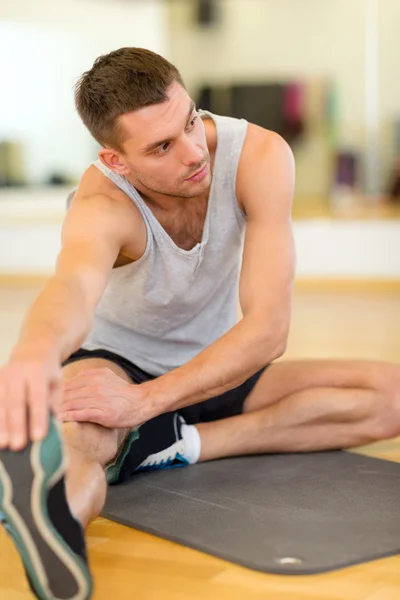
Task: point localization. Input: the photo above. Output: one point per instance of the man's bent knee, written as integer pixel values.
(94, 442)
(77, 367)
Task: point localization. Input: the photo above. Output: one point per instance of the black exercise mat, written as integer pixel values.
(287, 514)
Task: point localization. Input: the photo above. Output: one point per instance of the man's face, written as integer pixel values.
(166, 150)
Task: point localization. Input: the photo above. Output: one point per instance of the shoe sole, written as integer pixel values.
(54, 570)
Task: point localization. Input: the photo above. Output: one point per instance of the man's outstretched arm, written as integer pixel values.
(59, 320)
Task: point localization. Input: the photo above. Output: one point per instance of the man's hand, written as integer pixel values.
(30, 386)
(100, 396)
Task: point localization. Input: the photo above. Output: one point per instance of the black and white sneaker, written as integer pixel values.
(34, 512)
(157, 444)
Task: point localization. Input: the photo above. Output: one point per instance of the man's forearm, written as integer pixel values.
(225, 364)
(57, 321)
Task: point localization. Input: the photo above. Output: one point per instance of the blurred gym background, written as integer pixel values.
(325, 75)
(322, 73)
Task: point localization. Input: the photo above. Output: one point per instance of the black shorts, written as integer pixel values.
(226, 405)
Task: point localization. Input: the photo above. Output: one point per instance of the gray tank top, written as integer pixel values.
(163, 309)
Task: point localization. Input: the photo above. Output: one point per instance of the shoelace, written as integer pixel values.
(161, 463)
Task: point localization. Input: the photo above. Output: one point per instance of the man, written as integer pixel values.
(183, 215)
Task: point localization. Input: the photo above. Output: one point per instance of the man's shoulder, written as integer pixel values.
(106, 214)
(263, 141)
(263, 149)
(98, 201)
(211, 134)
(97, 192)
(265, 156)
(94, 183)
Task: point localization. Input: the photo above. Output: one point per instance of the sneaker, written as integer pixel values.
(35, 514)
(157, 444)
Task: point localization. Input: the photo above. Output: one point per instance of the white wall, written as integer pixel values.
(45, 46)
(325, 250)
(279, 39)
(30, 224)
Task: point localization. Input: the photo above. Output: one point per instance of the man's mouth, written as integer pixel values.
(199, 174)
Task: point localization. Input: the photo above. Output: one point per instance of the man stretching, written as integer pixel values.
(185, 215)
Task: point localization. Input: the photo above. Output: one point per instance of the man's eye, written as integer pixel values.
(162, 149)
(193, 122)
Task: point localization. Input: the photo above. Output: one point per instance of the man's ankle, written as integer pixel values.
(86, 489)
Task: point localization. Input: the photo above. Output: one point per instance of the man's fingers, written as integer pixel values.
(77, 400)
(78, 397)
(55, 396)
(89, 377)
(17, 416)
(3, 418)
(89, 415)
(37, 399)
(28, 391)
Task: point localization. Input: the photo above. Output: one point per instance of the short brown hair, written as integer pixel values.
(122, 81)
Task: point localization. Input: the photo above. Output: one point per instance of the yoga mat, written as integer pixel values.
(286, 514)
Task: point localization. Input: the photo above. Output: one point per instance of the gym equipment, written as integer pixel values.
(286, 514)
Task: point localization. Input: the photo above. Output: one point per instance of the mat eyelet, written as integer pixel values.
(289, 560)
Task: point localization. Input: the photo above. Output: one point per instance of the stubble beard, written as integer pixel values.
(174, 192)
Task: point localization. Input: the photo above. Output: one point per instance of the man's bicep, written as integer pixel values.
(268, 267)
(91, 241)
(269, 252)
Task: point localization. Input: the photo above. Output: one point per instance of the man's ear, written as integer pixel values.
(112, 160)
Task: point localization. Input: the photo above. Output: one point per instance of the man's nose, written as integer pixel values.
(192, 154)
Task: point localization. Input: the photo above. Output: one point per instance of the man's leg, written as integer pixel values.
(45, 502)
(300, 406)
(94, 450)
(89, 448)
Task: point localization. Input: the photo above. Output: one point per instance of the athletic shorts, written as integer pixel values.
(228, 404)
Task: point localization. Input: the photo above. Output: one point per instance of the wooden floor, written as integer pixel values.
(128, 564)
